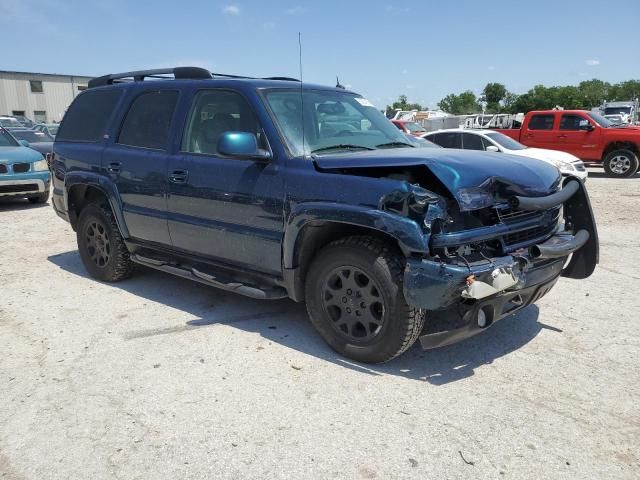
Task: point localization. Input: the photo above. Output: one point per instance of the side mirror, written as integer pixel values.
(585, 125)
(492, 148)
(242, 145)
(24, 143)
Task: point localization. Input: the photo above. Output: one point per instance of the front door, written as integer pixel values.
(138, 161)
(581, 143)
(228, 210)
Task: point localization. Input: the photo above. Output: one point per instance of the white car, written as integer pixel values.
(492, 141)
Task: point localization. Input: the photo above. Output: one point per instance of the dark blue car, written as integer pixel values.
(272, 188)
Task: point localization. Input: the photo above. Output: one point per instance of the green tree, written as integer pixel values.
(493, 95)
(403, 104)
(463, 104)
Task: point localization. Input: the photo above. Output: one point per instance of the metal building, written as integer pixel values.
(42, 97)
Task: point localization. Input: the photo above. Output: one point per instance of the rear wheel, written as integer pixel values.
(100, 244)
(621, 163)
(355, 300)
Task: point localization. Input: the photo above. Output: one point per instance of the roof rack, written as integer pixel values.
(179, 73)
(140, 75)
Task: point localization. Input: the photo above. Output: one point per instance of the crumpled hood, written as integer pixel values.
(18, 154)
(460, 171)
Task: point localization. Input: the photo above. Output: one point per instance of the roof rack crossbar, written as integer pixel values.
(140, 75)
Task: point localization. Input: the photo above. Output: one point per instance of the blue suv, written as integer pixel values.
(272, 188)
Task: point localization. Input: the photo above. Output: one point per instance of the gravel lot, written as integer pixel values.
(158, 377)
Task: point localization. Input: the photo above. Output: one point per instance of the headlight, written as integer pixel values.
(566, 166)
(40, 165)
(473, 198)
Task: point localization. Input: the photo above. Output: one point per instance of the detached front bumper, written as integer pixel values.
(443, 288)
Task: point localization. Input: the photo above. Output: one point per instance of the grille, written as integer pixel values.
(3, 169)
(526, 235)
(508, 215)
(27, 187)
(546, 223)
(21, 167)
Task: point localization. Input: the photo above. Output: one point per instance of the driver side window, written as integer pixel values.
(213, 113)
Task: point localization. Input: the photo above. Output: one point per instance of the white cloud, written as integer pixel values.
(592, 62)
(297, 10)
(231, 10)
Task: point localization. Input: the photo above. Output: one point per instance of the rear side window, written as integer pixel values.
(448, 139)
(148, 121)
(472, 142)
(87, 117)
(541, 122)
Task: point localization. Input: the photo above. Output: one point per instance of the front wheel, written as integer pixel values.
(621, 163)
(355, 300)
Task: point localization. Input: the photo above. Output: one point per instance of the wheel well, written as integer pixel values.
(313, 237)
(620, 145)
(80, 196)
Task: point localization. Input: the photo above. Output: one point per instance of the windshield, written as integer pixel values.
(332, 121)
(505, 141)
(31, 136)
(414, 127)
(6, 140)
(9, 122)
(599, 119)
(614, 110)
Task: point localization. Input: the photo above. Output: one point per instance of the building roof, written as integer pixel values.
(47, 74)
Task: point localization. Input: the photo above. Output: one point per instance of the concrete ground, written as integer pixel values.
(158, 377)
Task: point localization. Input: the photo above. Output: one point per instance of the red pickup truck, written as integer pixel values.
(587, 135)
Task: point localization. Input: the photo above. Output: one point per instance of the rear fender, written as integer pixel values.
(105, 185)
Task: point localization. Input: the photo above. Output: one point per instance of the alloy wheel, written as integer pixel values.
(354, 304)
(620, 164)
(98, 244)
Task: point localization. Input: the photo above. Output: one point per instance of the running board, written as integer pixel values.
(218, 281)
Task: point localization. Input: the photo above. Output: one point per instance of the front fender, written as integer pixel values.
(407, 232)
(102, 183)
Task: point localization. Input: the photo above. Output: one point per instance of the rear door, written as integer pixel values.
(447, 139)
(542, 132)
(581, 143)
(471, 141)
(227, 209)
(137, 162)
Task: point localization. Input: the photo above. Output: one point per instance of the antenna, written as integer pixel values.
(301, 95)
(338, 83)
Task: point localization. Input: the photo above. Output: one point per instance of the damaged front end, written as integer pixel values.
(492, 261)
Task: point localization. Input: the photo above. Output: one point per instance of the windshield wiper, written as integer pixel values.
(342, 146)
(395, 144)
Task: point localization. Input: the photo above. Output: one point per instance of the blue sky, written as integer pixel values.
(425, 49)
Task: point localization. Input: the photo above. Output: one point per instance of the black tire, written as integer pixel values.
(621, 163)
(102, 250)
(42, 198)
(386, 325)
